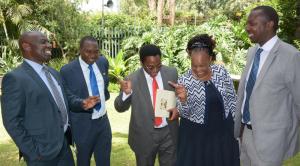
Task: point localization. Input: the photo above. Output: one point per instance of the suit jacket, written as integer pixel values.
(142, 113)
(76, 90)
(30, 114)
(274, 103)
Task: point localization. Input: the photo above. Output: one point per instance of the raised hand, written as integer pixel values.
(90, 102)
(125, 86)
(180, 91)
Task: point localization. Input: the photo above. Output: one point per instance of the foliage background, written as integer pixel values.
(64, 24)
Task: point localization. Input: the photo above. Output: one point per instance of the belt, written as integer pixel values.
(158, 128)
(249, 126)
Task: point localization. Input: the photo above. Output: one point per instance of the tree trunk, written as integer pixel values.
(5, 30)
(4, 27)
(160, 12)
(297, 32)
(152, 6)
(172, 5)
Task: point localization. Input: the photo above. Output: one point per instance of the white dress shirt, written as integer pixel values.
(267, 47)
(100, 82)
(149, 80)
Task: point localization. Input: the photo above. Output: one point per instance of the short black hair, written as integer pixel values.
(269, 13)
(202, 42)
(87, 38)
(149, 50)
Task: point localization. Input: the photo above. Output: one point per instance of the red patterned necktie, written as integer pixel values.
(158, 120)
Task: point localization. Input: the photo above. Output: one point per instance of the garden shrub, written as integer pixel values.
(231, 38)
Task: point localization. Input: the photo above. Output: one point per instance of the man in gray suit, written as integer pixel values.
(34, 106)
(268, 109)
(149, 136)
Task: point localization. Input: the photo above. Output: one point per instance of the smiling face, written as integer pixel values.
(152, 65)
(200, 62)
(36, 47)
(259, 29)
(89, 51)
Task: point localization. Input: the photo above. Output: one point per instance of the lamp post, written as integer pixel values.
(108, 4)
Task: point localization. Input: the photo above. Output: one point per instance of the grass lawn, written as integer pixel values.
(121, 154)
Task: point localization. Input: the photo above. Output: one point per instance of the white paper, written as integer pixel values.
(164, 100)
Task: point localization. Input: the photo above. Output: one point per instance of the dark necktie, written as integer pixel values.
(57, 96)
(250, 84)
(157, 120)
(94, 86)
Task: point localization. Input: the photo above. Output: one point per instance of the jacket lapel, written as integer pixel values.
(165, 78)
(267, 64)
(62, 88)
(79, 77)
(32, 73)
(102, 71)
(143, 87)
(250, 58)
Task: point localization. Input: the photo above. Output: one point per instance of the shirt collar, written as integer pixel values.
(36, 66)
(270, 44)
(83, 63)
(148, 77)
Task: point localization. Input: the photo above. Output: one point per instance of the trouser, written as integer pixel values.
(163, 147)
(98, 142)
(249, 155)
(64, 158)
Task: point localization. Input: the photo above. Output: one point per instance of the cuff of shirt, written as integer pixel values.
(125, 96)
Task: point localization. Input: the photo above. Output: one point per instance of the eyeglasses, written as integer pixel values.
(153, 68)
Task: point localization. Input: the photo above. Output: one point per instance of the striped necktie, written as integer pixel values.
(250, 85)
(57, 96)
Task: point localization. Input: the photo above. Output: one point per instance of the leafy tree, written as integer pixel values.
(158, 9)
(135, 8)
(231, 49)
(65, 22)
(289, 18)
(15, 19)
(60, 20)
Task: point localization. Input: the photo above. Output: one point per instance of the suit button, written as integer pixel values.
(61, 126)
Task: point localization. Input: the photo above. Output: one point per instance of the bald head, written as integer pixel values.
(35, 46)
(26, 36)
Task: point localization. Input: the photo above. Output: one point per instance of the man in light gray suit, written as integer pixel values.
(149, 136)
(268, 109)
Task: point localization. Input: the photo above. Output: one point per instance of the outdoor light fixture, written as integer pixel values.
(108, 4)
